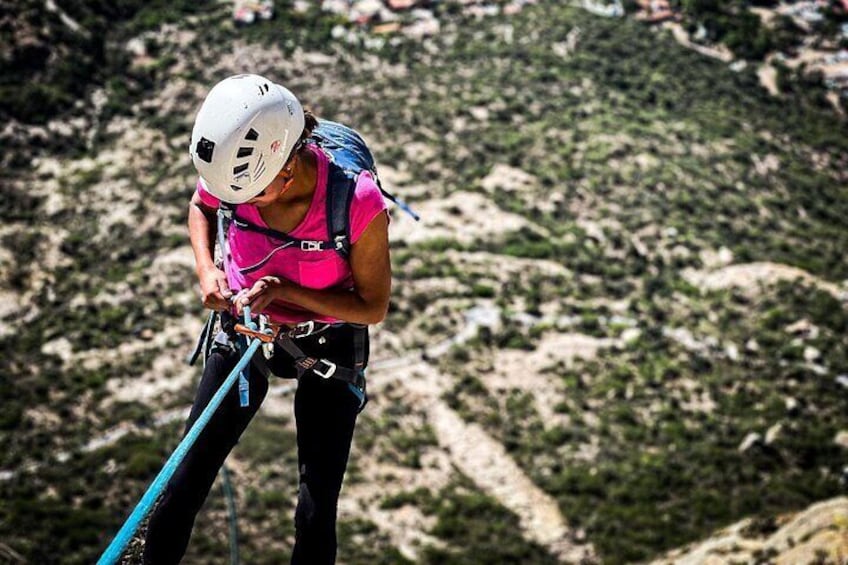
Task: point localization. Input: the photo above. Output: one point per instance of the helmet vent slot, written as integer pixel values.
(240, 168)
(260, 167)
(234, 187)
(244, 152)
(252, 135)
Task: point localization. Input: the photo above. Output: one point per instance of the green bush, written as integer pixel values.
(478, 531)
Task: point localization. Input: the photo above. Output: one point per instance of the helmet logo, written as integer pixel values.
(275, 146)
(204, 149)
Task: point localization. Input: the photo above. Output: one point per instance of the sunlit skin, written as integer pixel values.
(294, 175)
(283, 204)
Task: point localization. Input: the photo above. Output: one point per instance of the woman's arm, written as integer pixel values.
(372, 280)
(201, 232)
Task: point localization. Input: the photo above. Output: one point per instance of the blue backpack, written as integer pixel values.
(349, 156)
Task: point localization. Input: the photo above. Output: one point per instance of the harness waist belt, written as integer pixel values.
(324, 368)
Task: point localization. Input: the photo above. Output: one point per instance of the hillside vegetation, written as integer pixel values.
(628, 286)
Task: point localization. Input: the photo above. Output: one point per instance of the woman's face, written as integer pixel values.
(278, 186)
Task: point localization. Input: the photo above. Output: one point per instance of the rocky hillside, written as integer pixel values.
(619, 327)
(816, 535)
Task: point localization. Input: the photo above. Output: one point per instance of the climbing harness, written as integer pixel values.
(115, 549)
(324, 368)
(233, 334)
(285, 337)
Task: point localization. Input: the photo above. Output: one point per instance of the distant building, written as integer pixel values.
(655, 11)
(424, 24)
(805, 14)
(515, 6)
(612, 9)
(366, 11)
(341, 7)
(387, 28)
(246, 12)
(402, 4)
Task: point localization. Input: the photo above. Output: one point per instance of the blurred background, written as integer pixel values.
(617, 335)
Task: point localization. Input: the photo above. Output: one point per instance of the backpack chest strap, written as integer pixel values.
(341, 185)
(304, 244)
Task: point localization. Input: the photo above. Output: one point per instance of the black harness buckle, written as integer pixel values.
(328, 372)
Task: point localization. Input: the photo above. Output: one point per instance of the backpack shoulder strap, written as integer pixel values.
(341, 185)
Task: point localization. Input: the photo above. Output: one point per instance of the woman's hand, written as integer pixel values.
(260, 295)
(214, 289)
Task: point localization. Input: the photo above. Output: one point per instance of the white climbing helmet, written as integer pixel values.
(243, 135)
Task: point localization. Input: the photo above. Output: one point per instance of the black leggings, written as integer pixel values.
(325, 414)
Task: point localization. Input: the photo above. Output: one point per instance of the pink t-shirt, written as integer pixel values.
(310, 269)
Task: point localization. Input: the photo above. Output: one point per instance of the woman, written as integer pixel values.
(250, 147)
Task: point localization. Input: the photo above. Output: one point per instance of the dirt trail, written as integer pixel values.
(719, 52)
(485, 461)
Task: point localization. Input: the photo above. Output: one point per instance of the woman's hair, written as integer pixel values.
(310, 123)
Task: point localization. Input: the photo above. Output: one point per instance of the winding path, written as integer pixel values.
(485, 461)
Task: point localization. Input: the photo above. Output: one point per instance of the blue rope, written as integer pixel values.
(243, 382)
(116, 548)
(231, 515)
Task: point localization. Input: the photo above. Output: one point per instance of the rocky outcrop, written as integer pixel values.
(818, 534)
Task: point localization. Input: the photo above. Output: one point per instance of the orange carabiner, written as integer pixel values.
(261, 336)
